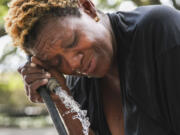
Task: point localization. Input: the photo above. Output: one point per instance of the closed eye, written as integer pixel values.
(75, 42)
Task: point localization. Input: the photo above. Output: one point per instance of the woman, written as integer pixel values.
(122, 67)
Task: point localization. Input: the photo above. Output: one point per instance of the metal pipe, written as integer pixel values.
(43, 91)
(52, 111)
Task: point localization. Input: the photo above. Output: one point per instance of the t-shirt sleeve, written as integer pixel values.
(160, 27)
(168, 67)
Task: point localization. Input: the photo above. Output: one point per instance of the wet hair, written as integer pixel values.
(26, 16)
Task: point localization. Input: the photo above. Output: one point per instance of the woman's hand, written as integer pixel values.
(34, 76)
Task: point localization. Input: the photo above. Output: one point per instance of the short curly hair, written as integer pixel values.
(23, 15)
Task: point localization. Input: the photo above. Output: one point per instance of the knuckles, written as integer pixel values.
(26, 79)
(31, 87)
(23, 71)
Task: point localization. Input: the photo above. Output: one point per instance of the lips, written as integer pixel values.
(88, 67)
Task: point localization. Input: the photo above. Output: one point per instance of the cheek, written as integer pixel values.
(65, 68)
(103, 59)
(102, 66)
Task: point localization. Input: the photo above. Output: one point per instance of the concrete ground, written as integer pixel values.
(17, 131)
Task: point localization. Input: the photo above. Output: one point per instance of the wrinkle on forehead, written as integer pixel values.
(43, 52)
(45, 39)
(50, 35)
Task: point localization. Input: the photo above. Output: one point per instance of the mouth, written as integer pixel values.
(88, 68)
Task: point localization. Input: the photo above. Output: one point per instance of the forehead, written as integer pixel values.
(59, 30)
(51, 32)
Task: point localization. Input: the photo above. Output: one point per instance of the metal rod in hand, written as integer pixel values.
(52, 111)
(43, 91)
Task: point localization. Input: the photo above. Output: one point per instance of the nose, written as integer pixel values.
(75, 61)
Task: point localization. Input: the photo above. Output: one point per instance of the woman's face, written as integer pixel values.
(75, 46)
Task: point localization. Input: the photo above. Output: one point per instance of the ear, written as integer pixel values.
(88, 7)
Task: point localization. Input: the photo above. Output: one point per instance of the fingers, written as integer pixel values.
(34, 81)
(23, 66)
(34, 76)
(31, 70)
(32, 88)
(38, 76)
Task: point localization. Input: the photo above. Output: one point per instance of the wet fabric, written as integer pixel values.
(148, 48)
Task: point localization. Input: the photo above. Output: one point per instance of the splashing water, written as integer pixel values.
(69, 103)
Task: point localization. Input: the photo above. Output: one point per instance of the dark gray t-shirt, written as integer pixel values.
(148, 48)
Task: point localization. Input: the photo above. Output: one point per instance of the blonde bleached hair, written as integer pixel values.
(23, 14)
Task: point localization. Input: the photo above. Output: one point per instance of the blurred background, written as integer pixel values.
(18, 116)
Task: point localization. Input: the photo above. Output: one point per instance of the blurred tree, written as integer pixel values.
(108, 4)
(3, 11)
(146, 2)
(176, 4)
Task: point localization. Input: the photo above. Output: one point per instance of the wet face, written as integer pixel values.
(72, 45)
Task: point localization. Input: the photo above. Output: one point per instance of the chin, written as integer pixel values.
(102, 73)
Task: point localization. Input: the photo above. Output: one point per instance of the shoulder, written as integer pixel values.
(158, 14)
(159, 26)
(145, 16)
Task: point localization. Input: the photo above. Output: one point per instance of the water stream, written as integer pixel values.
(74, 107)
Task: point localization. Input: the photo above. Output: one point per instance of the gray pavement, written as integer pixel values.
(37, 131)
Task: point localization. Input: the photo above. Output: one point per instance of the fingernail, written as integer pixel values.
(48, 74)
(32, 65)
(45, 80)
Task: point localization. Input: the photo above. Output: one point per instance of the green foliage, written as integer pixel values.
(12, 92)
(4, 2)
(14, 102)
(3, 10)
(108, 4)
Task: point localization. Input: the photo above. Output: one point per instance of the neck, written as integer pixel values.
(113, 71)
(111, 80)
(104, 19)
